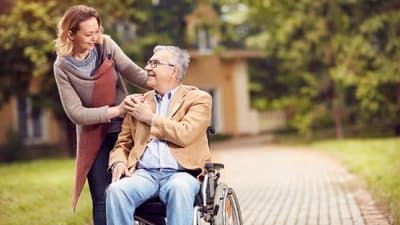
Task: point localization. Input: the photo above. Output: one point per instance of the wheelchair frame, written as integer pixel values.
(217, 203)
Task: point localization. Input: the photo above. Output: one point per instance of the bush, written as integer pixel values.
(13, 149)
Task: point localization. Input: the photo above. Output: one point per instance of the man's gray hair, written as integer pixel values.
(179, 57)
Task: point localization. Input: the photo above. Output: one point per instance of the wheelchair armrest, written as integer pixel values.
(213, 166)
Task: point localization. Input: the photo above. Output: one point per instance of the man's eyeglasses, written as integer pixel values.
(154, 63)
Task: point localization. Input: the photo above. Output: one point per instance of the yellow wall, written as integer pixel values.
(210, 72)
(53, 129)
(52, 133)
(7, 119)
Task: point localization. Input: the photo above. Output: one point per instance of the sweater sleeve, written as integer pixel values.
(128, 69)
(72, 104)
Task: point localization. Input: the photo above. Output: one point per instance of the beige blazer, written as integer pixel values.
(189, 115)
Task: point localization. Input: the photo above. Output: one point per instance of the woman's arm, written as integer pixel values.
(75, 110)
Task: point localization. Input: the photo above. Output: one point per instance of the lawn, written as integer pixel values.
(39, 193)
(377, 161)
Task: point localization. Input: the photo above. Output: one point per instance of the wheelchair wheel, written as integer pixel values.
(227, 206)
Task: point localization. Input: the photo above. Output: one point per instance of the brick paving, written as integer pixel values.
(291, 186)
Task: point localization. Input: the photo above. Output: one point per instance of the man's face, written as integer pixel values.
(162, 73)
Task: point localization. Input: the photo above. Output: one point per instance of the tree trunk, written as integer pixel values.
(397, 125)
(337, 114)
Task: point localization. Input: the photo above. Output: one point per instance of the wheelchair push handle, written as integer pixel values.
(210, 130)
(213, 166)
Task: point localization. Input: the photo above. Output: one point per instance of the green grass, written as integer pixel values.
(377, 161)
(39, 193)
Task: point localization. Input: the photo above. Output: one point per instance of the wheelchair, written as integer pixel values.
(215, 204)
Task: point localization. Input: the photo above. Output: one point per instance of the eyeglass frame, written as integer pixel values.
(155, 62)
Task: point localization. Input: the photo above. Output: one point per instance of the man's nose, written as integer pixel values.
(148, 67)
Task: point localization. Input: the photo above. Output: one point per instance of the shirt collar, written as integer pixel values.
(170, 93)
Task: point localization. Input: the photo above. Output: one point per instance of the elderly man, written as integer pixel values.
(162, 137)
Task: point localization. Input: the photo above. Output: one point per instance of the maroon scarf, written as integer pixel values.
(91, 136)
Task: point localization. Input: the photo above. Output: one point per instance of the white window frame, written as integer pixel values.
(30, 139)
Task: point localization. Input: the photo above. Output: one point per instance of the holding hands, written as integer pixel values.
(142, 112)
(135, 106)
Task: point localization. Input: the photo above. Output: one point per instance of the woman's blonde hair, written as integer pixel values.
(70, 22)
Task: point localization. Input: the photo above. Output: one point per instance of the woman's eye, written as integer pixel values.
(91, 34)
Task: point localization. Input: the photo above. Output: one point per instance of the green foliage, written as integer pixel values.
(341, 55)
(26, 35)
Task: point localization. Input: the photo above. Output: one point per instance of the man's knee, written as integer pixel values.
(114, 190)
(183, 185)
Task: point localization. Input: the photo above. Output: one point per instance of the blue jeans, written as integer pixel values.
(177, 190)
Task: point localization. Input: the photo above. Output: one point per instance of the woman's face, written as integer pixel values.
(85, 38)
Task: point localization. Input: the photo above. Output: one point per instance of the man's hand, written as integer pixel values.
(128, 103)
(142, 112)
(119, 170)
(137, 98)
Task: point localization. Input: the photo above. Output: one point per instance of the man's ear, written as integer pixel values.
(175, 72)
(70, 35)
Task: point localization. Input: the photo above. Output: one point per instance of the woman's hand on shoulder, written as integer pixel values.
(129, 102)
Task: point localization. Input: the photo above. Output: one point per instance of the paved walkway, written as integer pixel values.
(292, 186)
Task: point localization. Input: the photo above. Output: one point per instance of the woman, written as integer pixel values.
(88, 71)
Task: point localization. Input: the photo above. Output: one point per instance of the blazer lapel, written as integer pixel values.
(176, 101)
(143, 127)
(150, 101)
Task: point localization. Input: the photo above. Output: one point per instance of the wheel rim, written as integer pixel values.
(232, 216)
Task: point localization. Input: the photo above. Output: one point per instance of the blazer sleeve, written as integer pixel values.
(72, 104)
(124, 143)
(193, 124)
(126, 67)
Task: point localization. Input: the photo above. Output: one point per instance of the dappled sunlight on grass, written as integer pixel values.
(39, 192)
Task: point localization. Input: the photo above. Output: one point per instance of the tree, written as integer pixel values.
(335, 56)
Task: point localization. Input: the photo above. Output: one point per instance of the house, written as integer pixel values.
(221, 72)
(36, 126)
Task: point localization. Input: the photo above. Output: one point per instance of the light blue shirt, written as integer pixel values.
(157, 153)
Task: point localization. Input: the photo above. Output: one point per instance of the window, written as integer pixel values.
(203, 39)
(30, 122)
